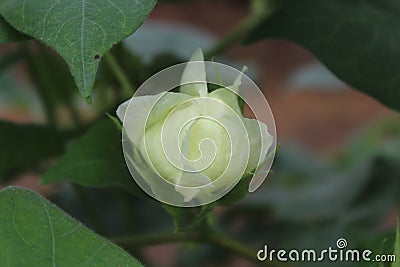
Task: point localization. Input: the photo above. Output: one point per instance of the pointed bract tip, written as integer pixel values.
(197, 55)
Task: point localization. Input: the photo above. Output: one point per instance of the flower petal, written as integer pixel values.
(260, 141)
(228, 97)
(145, 111)
(235, 87)
(194, 76)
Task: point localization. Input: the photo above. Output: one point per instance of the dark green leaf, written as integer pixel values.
(23, 146)
(35, 232)
(80, 31)
(96, 159)
(8, 34)
(357, 40)
(116, 121)
(237, 193)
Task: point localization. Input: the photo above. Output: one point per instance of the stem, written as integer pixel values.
(119, 74)
(260, 10)
(153, 239)
(233, 246)
(211, 238)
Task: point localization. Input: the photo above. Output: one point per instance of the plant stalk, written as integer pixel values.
(260, 10)
(211, 238)
(119, 74)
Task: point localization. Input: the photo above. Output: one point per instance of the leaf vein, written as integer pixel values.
(45, 18)
(22, 237)
(96, 253)
(82, 45)
(122, 13)
(52, 234)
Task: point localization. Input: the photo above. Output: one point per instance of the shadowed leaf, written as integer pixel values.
(35, 232)
(357, 40)
(80, 31)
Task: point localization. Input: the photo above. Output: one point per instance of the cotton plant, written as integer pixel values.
(197, 141)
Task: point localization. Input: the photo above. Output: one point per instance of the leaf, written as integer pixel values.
(357, 40)
(8, 34)
(237, 193)
(35, 232)
(25, 145)
(116, 121)
(80, 31)
(96, 159)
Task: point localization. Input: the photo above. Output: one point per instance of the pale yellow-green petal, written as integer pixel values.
(235, 87)
(228, 97)
(151, 149)
(209, 143)
(260, 141)
(144, 111)
(194, 76)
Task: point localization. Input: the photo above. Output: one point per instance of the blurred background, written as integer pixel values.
(336, 173)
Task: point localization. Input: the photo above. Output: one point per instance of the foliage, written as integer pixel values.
(96, 159)
(80, 32)
(33, 144)
(354, 39)
(55, 239)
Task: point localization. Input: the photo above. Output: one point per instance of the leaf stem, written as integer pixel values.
(119, 74)
(211, 238)
(260, 10)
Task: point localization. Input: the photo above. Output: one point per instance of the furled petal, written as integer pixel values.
(235, 87)
(194, 76)
(188, 185)
(260, 141)
(228, 97)
(144, 111)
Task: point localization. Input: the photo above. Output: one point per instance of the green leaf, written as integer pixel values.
(23, 146)
(35, 232)
(96, 159)
(80, 31)
(357, 40)
(8, 34)
(237, 193)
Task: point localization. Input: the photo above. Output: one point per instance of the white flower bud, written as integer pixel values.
(195, 140)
